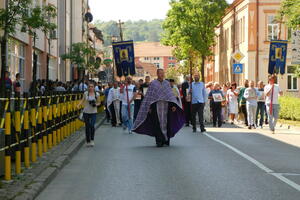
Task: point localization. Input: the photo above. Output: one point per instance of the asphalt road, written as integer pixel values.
(225, 164)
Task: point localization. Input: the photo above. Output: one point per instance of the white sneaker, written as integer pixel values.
(88, 144)
(92, 143)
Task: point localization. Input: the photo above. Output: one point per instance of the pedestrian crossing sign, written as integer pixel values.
(238, 68)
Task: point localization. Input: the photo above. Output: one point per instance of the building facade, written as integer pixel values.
(154, 53)
(247, 27)
(71, 28)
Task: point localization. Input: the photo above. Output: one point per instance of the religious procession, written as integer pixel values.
(160, 108)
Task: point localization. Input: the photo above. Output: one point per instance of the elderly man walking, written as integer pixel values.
(198, 93)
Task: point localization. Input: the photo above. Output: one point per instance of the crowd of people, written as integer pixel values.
(251, 104)
(136, 104)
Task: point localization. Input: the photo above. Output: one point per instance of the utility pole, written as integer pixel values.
(119, 24)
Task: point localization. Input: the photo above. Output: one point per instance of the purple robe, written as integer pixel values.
(159, 91)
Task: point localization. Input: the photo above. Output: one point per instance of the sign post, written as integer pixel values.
(238, 68)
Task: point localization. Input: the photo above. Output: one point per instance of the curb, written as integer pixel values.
(43, 180)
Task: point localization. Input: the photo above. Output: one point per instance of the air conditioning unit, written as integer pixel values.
(53, 34)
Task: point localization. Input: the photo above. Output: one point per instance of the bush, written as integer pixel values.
(290, 108)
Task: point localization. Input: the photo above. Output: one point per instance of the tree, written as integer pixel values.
(190, 28)
(290, 13)
(10, 17)
(38, 18)
(79, 54)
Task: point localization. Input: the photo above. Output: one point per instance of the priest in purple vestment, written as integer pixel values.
(160, 115)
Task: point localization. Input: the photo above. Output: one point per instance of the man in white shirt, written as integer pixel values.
(128, 94)
(272, 93)
(113, 104)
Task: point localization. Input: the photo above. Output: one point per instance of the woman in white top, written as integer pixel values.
(207, 108)
(90, 100)
(232, 99)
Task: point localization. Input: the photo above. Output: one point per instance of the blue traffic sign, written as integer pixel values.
(238, 68)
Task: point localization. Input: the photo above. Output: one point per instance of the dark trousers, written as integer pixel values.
(107, 113)
(244, 111)
(198, 109)
(260, 112)
(159, 136)
(90, 120)
(187, 112)
(113, 115)
(137, 105)
(217, 114)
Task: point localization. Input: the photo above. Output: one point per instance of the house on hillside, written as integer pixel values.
(152, 56)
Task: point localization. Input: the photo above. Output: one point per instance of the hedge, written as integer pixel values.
(289, 108)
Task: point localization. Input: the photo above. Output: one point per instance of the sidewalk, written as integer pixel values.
(284, 133)
(33, 180)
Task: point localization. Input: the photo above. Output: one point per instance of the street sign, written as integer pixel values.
(238, 68)
(296, 47)
(238, 56)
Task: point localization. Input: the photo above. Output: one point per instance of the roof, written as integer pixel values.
(152, 49)
(148, 67)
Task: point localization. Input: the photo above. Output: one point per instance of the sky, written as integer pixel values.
(106, 10)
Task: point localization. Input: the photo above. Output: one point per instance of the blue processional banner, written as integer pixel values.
(277, 59)
(124, 58)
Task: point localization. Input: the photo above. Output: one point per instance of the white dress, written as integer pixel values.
(207, 111)
(232, 103)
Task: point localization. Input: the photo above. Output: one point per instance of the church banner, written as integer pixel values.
(124, 58)
(277, 59)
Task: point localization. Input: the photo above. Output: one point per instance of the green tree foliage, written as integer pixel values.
(79, 54)
(190, 28)
(141, 30)
(10, 16)
(290, 13)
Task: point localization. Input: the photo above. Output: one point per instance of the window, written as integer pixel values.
(240, 33)
(156, 58)
(146, 58)
(171, 58)
(16, 60)
(171, 64)
(226, 33)
(52, 69)
(273, 28)
(292, 81)
(157, 65)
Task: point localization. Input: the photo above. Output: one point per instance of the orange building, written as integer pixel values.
(247, 27)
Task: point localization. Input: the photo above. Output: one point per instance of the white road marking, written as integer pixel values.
(257, 163)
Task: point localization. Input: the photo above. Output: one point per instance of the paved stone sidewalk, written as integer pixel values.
(28, 185)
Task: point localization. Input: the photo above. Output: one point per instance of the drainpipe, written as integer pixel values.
(257, 43)
(233, 41)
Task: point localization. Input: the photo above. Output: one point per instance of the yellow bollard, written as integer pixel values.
(33, 145)
(18, 162)
(54, 138)
(7, 175)
(45, 145)
(58, 136)
(50, 136)
(18, 131)
(26, 149)
(40, 142)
